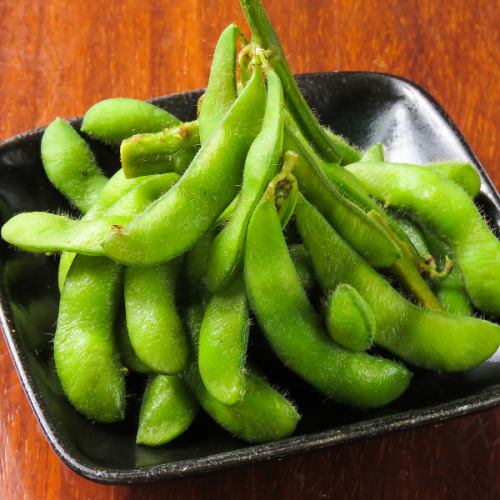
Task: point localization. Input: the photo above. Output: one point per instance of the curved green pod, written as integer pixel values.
(70, 165)
(331, 147)
(263, 414)
(429, 339)
(303, 265)
(260, 166)
(221, 89)
(154, 327)
(85, 352)
(46, 232)
(167, 410)
(444, 209)
(116, 187)
(113, 120)
(351, 220)
(222, 343)
(172, 224)
(294, 330)
(170, 150)
(349, 319)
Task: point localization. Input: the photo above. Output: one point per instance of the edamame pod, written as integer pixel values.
(222, 344)
(429, 339)
(46, 232)
(260, 166)
(87, 361)
(172, 224)
(221, 88)
(167, 410)
(113, 120)
(172, 149)
(154, 327)
(461, 173)
(355, 225)
(294, 330)
(428, 197)
(349, 319)
(116, 187)
(261, 415)
(330, 146)
(70, 165)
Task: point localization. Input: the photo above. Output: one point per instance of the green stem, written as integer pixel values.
(329, 146)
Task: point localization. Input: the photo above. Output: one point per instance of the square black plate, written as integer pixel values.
(364, 107)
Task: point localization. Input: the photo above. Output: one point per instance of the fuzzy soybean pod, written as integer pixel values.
(349, 319)
(331, 147)
(223, 341)
(444, 209)
(260, 166)
(154, 327)
(429, 339)
(70, 165)
(86, 356)
(361, 232)
(113, 120)
(115, 188)
(167, 410)
(170, 150)
(461, 173)
(294, 330)
(262, 414)
(221, 89)
(46, 232)
(172, 224)
(303, 265)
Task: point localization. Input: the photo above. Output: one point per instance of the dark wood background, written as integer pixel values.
(61, 56)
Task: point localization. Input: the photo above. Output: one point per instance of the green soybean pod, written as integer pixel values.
(113, 120)
(373, 153)
(222, 343)
(260, 166)
(261, 415)
(351, 220)
(294, 330)
(46, 232)
(154, 327)
(179, 218)
(86, 356)
(221, 89)
(461, 173)
(117, 187)
(167, 410)
(429, 339)
(126, 351)
(171, 149)
(428, 197)
(70, 165)
(349, 319)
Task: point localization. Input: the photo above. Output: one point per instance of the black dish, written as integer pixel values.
(364, 107)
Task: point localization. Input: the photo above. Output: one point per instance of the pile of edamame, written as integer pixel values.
(240, 220)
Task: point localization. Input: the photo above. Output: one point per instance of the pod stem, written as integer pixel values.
(265, 35)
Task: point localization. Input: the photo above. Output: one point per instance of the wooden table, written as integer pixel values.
(60, 56)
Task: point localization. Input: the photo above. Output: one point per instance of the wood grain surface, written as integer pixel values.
(57, 57)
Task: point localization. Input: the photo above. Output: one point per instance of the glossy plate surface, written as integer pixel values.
(366, 108)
